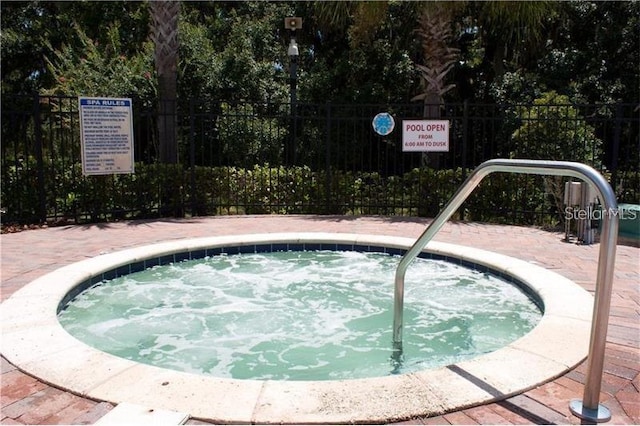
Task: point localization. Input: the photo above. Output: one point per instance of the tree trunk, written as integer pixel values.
(164, 33)
(167, 126)
(431, 111)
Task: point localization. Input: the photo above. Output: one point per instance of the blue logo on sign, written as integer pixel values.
(383, 123)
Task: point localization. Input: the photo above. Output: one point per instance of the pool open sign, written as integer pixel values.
(106, 135)
(425, 135)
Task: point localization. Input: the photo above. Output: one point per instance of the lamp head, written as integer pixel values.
(293, 23)
(293, 48)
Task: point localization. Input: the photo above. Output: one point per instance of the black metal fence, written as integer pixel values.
(263, 157)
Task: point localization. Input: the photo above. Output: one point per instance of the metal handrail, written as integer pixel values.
(589, 408)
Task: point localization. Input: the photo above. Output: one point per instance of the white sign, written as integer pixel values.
(425, 135)
(106, 135)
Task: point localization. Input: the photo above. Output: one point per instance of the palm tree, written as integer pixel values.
(434, 30)
(164, 34)
(507, 24)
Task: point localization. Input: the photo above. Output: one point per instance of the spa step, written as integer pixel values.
(126, 413)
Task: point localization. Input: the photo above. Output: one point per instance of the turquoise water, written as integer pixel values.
(308, 315)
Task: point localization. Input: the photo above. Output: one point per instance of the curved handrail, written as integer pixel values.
(589, 408)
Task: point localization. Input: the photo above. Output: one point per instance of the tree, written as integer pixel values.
(513, 30)
(507, 31)
(164, 33)
(363, 52)
(545, 135)
(435, 24)
(32, 31)
(607, 68)
(250, 59)
(88, 67)
(361, 19)
(22, 50)
(350, 51)
(439, 57)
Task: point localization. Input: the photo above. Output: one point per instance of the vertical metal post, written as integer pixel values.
(327, 175)
(37, 128)
(616, 145)
(292, 24)
(192, 161)
(589, 408)
(465, 133)
(293, 83)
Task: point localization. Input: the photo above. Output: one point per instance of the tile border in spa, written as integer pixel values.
(34, 341)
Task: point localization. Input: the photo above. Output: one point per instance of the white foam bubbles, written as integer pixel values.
(299, 315)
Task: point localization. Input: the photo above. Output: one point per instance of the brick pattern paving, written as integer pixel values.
(28, 255)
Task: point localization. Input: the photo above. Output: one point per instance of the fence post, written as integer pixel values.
(616, 146)
(465, 133)
(193, 198)
(327, 145)
(37, 125)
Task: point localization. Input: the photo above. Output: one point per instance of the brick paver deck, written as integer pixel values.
(28, 255)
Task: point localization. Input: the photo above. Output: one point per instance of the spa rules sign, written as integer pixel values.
(425, 135)
(106, 135)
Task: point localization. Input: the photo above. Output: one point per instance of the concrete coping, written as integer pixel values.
(36, 343)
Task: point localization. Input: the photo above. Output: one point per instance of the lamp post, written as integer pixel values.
(292, 24)
(293, 69)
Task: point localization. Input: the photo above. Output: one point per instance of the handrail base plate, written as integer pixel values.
(599, 415)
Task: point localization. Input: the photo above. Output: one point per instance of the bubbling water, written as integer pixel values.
(299, 315)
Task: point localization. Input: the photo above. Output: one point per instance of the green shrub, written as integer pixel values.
(157, 190)
(248, 137)
(552, 129)
(20, 197)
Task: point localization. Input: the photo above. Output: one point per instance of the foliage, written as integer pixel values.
(350, 51)
(359, 52)
(375, 73)
(199, 73)
(606, 70)
(516, 87)
(552, 129)
(32, 30)
(246, 53)
(556, 132)
(247, 137)
(21, 45)
(515, 30)
(20, 198)
(265, 189)
(98, 69)
(360, 19)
